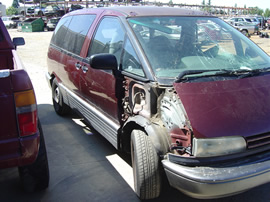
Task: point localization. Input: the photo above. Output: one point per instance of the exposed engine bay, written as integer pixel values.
(160, 105)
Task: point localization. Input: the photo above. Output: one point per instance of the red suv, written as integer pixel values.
(22, 143)
(180, 90)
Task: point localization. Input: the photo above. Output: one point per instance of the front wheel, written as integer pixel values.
(146, 167)
(245, 32)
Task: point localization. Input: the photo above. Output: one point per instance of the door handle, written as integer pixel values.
(84, 68)
(78, 66)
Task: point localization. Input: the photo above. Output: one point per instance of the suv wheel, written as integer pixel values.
(146, 168)
(245, 32)
(59, 106)
(36, 176)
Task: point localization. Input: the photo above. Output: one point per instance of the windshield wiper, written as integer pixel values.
(240, 73)
(181, 76)
(250, 73)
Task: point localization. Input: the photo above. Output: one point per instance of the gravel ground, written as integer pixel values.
(264, 43)
(34, 58)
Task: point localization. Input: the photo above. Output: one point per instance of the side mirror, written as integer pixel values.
(103, 61)
(18, 41)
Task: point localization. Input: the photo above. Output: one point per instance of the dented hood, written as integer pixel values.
(238, 107)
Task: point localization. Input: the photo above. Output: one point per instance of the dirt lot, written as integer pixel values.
(33, 55)
(264, 43)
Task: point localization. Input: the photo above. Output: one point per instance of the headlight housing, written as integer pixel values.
(207, 147)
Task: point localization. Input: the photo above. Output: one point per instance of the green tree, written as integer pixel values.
(15, 4)
(267, 13)
(245, 12)
(203, 6)
(12, 11)
(209, 6)
(256, 11)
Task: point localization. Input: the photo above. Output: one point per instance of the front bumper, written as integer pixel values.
(205, 182)
(48, 79)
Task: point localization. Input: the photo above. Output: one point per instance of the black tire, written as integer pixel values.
(40, 13)
(35, 177)
(59, 106)
(245, 32)
(146, 166)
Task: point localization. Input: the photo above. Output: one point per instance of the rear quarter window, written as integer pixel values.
(71, 31)
(60, 31)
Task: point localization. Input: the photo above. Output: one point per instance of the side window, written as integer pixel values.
(77, 30)
(108, 38)
(70, 32)
(130, 60)
(60, 31)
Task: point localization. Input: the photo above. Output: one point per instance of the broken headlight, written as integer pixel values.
(207, 147)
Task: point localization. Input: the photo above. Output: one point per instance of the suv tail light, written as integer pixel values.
(26, 110)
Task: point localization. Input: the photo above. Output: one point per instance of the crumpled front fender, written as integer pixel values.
(154, 129)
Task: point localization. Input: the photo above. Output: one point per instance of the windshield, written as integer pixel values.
(176, 44)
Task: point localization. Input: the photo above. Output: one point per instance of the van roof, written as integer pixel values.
(134, 11)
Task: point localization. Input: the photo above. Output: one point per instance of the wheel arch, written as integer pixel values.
(52, 78)
(156, 132)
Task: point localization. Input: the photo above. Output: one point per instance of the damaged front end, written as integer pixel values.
(187, 124)
(159, 111)
(229, 137)
(174, 118)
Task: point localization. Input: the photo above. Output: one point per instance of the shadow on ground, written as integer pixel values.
(80, 171)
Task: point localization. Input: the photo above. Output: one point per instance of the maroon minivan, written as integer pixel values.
(182, 91)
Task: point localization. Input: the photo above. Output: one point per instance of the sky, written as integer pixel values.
(263, 4)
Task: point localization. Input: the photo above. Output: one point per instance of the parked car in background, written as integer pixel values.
(51, 24)
(22, 142)
(251, 20)
(75, 7)
(261, 20)
(8, 22)
(268, 23)
(246, 28)
(16, 20)
(197, 109)
(53, 10)
(30, 10)
(39, 11)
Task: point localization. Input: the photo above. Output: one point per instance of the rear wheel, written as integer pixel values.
(146, 168)
(35, 177)
(59, 106)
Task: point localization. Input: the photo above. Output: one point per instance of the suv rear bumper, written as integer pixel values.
(216, 182)
(19, 151)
